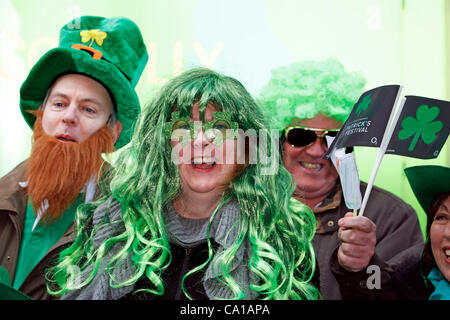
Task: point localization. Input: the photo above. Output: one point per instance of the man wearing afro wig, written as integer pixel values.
(307, 101)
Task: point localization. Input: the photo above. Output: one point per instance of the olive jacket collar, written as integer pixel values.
(13, 206)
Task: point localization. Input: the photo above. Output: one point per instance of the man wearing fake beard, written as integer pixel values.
(80, 101)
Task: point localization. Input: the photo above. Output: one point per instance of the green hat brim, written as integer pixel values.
(427, 182)
(60, 61)
(9, 293)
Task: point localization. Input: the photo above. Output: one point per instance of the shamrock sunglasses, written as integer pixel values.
(298, 136)
(220, 128)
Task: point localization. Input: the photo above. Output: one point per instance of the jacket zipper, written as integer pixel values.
(187, 255)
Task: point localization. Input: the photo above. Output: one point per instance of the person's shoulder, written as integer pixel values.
(413, 253)
(408, 272)
(384, 197)
(16, 174)
(386, 209)
(11, 190)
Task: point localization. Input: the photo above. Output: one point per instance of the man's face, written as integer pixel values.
(76, 107)
(315, 177)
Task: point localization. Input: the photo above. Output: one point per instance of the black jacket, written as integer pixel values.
(397, 230)
(183, 260)
(401, 278)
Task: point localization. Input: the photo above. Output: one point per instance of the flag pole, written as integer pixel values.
(383, 146)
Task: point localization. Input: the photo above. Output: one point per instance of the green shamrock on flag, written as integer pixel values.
(423, 126)
(364, 104)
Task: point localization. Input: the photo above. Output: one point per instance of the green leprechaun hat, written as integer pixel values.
(111, 51)
(427, 182)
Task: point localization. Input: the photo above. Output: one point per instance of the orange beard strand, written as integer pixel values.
(57, 171)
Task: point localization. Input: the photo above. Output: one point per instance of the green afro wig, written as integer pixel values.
(304, 89)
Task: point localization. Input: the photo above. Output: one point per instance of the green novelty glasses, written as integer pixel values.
(220, 128)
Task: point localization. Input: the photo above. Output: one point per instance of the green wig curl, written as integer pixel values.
(304, 89)
(144, 180)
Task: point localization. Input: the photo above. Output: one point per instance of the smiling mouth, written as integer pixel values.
(311, 166)
(447, 254)
(203, 163)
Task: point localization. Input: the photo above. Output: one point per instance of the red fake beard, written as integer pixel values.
(57, 171)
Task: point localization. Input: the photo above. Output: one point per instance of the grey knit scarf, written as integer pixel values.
(180, 230)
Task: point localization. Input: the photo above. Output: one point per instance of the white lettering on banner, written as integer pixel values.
(358, 127)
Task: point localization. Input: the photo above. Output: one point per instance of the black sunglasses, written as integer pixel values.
(298, 136)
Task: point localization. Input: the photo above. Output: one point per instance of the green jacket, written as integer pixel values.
(13, 206)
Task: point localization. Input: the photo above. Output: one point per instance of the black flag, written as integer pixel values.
(422, 128)
(367, 122)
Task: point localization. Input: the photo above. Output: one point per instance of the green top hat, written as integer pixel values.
(111, 51)
(427, 182)
(6, 291)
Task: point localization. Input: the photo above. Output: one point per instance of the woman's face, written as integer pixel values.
(205, 167)
(440, 238)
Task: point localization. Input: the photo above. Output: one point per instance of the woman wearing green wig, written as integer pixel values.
(183, 218)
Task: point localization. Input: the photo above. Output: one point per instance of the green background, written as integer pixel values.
(389, 41)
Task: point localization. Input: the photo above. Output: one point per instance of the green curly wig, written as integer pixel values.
(304, 89)
(144, 180)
